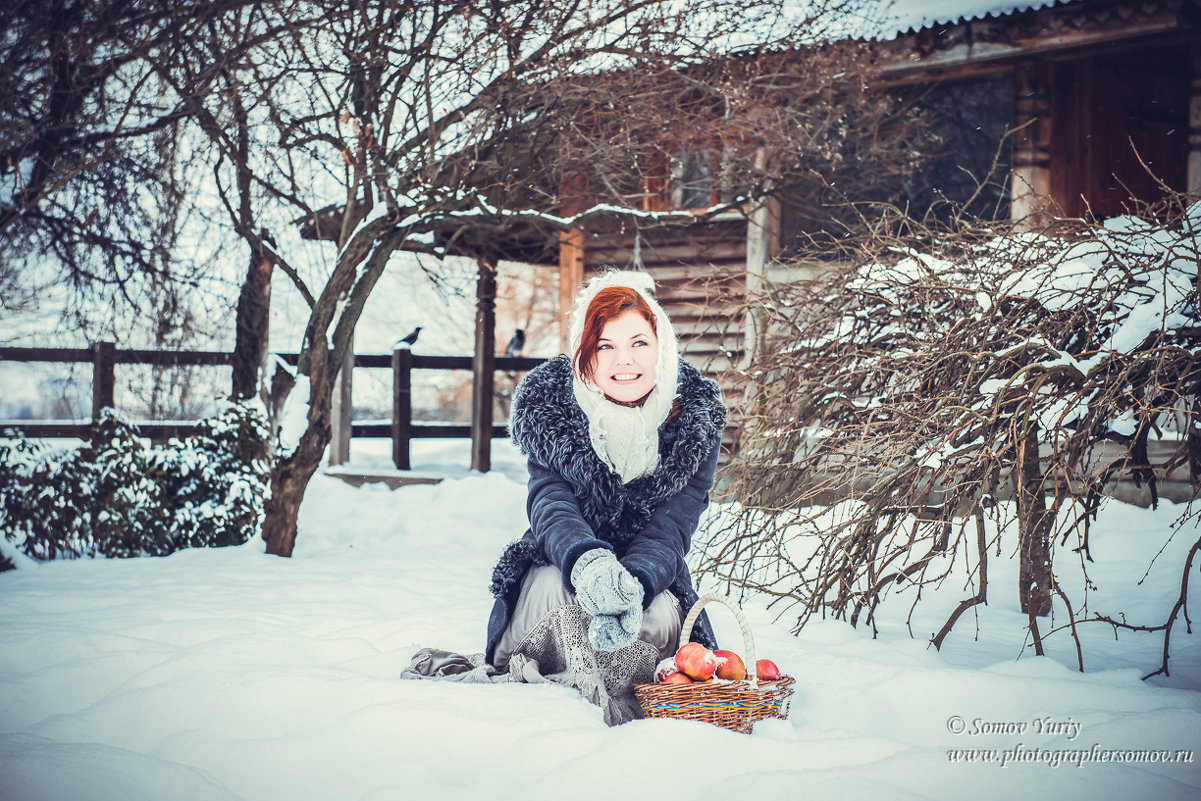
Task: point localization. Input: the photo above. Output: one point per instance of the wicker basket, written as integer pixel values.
(736, 705)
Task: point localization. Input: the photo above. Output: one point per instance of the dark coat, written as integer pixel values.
(577, 503)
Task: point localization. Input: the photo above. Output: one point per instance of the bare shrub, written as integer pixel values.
(938, 397)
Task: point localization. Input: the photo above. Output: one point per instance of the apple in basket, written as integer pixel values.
(766, 670)
(696, 661)
(675, 678)
(730, 666)
(666, 673)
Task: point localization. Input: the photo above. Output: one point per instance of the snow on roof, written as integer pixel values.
(888, 19)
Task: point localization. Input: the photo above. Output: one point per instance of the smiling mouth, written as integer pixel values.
(625, 378)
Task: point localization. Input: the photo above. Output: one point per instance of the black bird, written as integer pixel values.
(516, 343)
(410, 339)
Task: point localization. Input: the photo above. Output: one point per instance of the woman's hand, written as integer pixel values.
(610, 632)
(613, 597)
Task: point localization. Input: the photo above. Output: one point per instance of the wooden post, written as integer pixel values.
(402, 406)
(762, 244)
(1030, 186)
(104, 357)
(342, 412)
(483, 364)
(1194, 124)
(574, 199)
(756, 267)
(571, 275)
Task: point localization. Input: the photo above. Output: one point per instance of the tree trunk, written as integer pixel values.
(250, 347)
(1034, 529)
(291, 473)
(359, 267)
(283, 507)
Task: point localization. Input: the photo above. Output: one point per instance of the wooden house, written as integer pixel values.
(1104, 97)
(1073, 106)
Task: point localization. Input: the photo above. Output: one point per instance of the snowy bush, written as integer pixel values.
(45, 499)
(116, 496)
(944, 397)
(216, 480)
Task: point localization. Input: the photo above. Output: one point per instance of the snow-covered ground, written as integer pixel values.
(229, 674)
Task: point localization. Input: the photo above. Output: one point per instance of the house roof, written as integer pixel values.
(888, 19)
(929, 38)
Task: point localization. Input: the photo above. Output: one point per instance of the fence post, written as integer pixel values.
(483, 364)
(104, 357)
(342, 407)
(402, 405)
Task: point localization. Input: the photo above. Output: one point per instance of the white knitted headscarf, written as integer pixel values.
(626, 438)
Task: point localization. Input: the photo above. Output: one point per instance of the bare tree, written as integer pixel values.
(88, 139)
(102, 171)
(944, 397)
(435, 125)
(443, 125)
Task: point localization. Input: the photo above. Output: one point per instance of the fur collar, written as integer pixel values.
(548, 426)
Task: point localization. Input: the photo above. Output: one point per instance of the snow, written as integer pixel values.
(230, 674)
(483, 208)
(1063, 274)
(295, 417)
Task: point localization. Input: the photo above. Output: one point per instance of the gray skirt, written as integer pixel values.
(547, 641)
(542, 590)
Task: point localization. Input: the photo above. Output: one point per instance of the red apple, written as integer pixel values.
(729, 666)
(696, 661)
(766, 670)
(676, 678)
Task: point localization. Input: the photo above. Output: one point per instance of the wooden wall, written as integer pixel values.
(700, 280)
(1119, 127)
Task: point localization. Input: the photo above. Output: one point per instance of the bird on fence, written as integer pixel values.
(516, 343)
(513, 349)
(409, 340)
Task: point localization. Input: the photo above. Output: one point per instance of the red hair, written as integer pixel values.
(607, 304)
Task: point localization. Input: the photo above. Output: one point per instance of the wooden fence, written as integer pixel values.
(105, 356)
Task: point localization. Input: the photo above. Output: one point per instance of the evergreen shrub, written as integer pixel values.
(117, 496)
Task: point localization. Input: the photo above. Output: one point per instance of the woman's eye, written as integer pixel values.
(641, 343)
(604, 347)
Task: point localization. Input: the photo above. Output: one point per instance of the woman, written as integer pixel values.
(622, 440)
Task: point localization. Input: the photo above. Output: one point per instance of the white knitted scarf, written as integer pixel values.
(626, 438)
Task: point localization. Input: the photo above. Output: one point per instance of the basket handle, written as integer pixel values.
(747, 639)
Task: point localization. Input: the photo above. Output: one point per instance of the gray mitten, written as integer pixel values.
(604, 587)
(611, 632)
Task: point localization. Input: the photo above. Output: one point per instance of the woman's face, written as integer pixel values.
(626, 355)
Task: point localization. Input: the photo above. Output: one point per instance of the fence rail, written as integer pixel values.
(402, 429)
